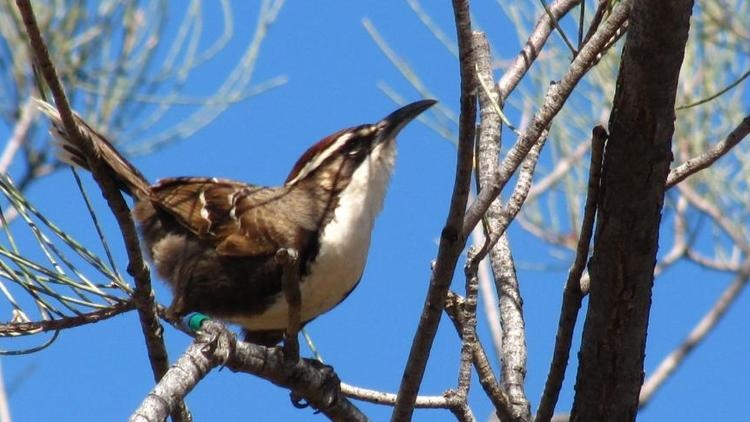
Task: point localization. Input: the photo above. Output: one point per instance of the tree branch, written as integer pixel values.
(572, 294)
(308, 380)
(634, 174)
(452, 238)
(533, 46)
(487, 153)
(389, 399)
(468, 331)
(705, 160)
(499, 398)
(28, 328)
(510, 313)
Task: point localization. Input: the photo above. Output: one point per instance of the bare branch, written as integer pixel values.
(500, 217)
(454, 308)
(596, 20)
(469, 327)
(705, 160)
(389, 399)
(557, 27)
(514, 353)
(452, 239)
(488, 151)
(533, 46)
(572, 294)
(28, 328)
(215, 346)
(510, 313)
(712, 264)
(487, 290)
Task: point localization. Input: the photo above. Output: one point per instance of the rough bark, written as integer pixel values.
(637, 162)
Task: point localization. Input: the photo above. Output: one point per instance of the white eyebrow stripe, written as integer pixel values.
(322, 156)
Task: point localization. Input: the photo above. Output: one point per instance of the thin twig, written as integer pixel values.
(452, 239)
(533, 46)
(581, 19)
(487, 153)
(705, 160)
(713, 264)
(596, 20)
(501, 216)
(718, 94)
(572, 294)
(499, 398)
(557, 27)
(469, 327)
(27, 328)
(497, 220)
(389, 399)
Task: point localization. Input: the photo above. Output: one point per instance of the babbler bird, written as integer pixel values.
(214, 240)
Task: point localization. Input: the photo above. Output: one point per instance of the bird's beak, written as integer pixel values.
(392, 124)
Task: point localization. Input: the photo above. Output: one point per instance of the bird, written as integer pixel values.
(213, 240)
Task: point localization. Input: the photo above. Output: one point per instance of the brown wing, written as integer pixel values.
(239, 219)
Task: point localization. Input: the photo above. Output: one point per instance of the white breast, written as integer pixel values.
(343, 245)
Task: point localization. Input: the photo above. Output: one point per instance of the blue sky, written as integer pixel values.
(100, 372)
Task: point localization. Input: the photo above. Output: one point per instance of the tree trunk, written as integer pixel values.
(636, 165)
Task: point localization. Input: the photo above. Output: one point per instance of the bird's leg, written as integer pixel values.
(288, 259)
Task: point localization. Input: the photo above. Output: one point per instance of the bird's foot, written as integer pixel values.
(216, 340)
(329, 388)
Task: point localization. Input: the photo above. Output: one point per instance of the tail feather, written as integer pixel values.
(129, 179)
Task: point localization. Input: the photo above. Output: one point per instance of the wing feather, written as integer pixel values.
(237, 218)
